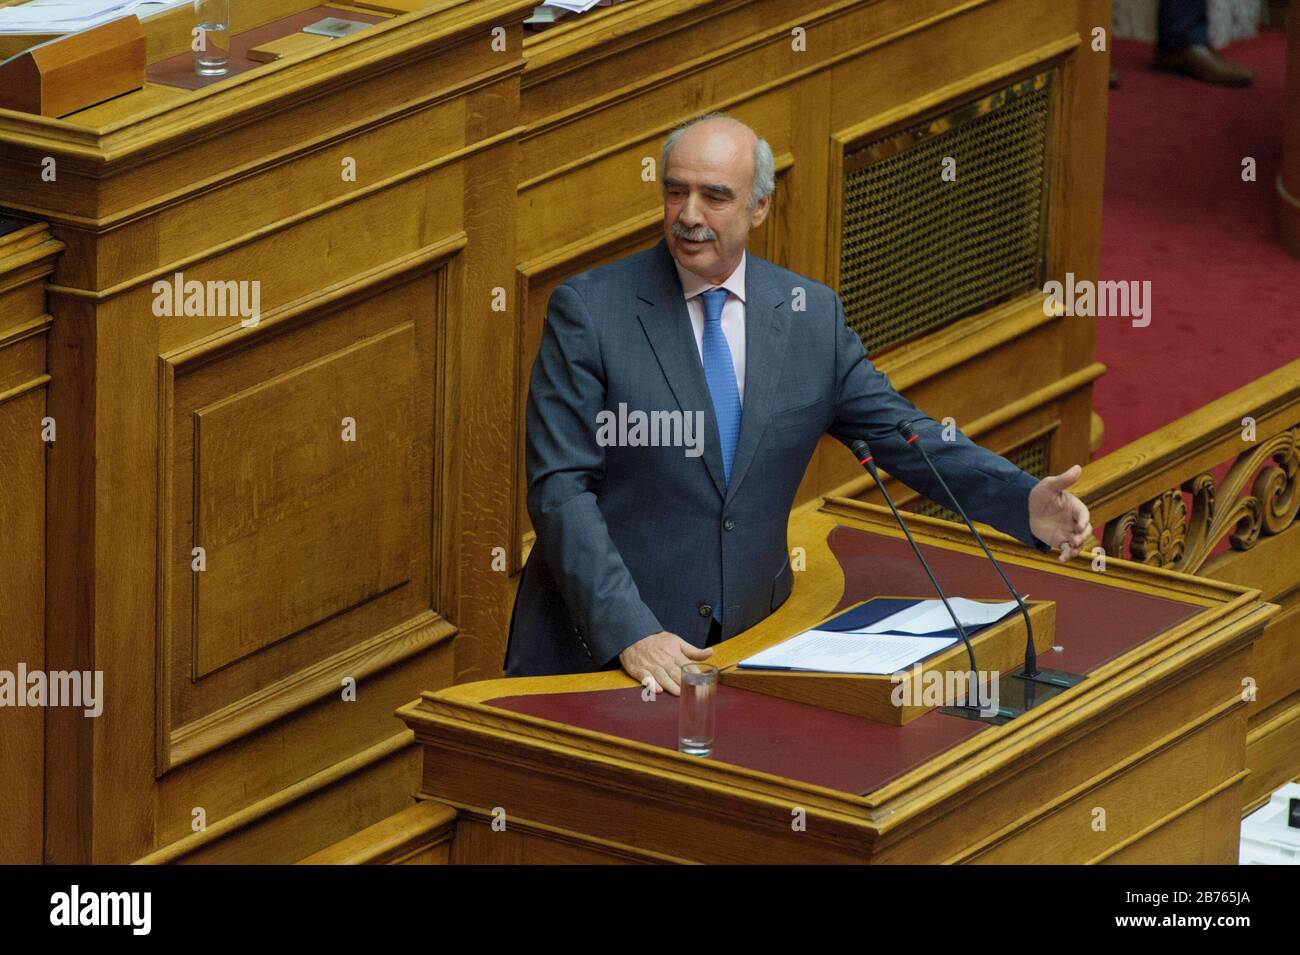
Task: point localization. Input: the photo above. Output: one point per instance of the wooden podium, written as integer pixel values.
(1141, 762)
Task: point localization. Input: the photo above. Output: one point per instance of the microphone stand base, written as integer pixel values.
(1003, 714)
(1017, 695)
(1059, 679)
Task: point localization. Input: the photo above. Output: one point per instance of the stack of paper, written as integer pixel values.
(72, 16)
(884, 647)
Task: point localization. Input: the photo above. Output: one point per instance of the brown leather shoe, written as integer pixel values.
(1200, 62)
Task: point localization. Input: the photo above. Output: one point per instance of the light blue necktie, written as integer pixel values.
(720, 373)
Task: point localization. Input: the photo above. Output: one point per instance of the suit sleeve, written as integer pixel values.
(566, 465)
(990, 488)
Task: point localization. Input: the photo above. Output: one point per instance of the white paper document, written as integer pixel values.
(930, 616)
(71, 16)
(827, 651)
(884, 647)
(573, 6)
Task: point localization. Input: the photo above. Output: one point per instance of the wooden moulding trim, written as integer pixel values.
(28, 264)
(1042, 58)
(281, 799)
(1132, 575)
(780, 34)
(422, 826)
(1234, 780)
(579, 43)
(1199, 591)
(284, 156)
(362, 285)
(1099, 779)
(569, 837)
(142, 210)
(904, 495)
(36, 326)
(1131, 475)
(990, 422)
(964, 340)
(35, 269)
(162, 201)
(30, 235)
(561, 260)
(602, 33)
(304, 687)
(1286, 718)
(21, 389)
(347, 61)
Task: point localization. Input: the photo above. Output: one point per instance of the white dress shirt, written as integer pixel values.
(733, 314)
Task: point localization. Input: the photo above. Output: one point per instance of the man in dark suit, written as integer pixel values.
(652, 545)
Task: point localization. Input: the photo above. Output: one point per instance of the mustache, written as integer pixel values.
(699, 234)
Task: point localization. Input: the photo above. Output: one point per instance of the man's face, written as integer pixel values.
(706, 199)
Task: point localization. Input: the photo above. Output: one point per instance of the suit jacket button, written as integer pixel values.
(728, 524)
(706, 610)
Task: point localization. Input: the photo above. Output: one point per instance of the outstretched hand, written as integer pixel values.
(1057, 517)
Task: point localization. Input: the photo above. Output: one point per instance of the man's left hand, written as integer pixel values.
(1057, 517)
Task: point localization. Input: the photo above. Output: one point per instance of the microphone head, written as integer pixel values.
(861, 449)
(905, 429)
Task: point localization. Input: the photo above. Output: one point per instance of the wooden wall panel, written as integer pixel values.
(26, 258)
(321, 554)
(368, 192)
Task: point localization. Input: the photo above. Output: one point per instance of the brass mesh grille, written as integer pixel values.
(1032, 458)
(918, 252)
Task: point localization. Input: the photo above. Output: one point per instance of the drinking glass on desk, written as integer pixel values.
(697, 709)
(212, 37)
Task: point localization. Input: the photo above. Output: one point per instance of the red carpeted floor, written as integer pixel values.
(1177, 213)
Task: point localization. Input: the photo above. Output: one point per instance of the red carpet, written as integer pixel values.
(1177, 213)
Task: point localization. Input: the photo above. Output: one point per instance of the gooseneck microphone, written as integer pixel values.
(1030, 671)
(863, 452)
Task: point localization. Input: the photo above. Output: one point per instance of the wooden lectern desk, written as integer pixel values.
(1141, 762)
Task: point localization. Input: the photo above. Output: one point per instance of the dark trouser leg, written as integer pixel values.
(1182, 23)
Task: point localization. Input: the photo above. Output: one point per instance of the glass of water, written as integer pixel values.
(697, 711)
(212, 37)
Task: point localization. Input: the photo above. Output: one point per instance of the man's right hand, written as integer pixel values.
(661, 657)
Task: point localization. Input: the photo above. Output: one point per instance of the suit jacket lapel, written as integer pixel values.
(662, 313)
(766, 323)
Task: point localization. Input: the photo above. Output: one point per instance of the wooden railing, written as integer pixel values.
(1157, 500)
(1140, 493)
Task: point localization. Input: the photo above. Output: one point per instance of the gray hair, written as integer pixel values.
(764, 181)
